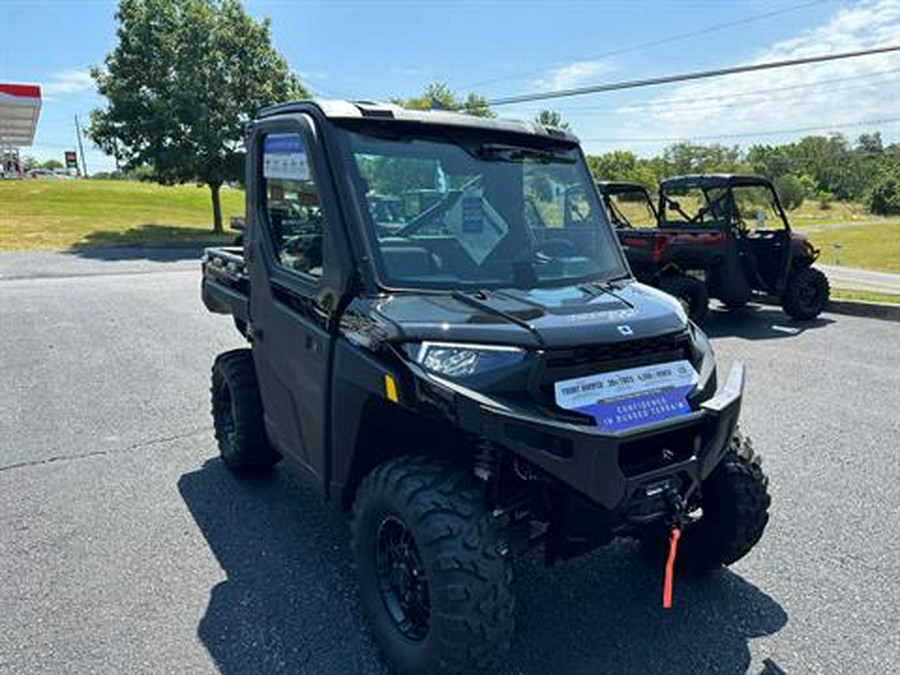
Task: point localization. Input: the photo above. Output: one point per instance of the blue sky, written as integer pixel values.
(382, 49)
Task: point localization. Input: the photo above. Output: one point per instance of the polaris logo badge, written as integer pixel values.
(625, 329)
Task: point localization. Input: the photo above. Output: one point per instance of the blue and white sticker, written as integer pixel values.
(625, 399)
(283, 157)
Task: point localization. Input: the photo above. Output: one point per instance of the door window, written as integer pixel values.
(292, 203)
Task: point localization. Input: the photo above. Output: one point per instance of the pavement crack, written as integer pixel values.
(27, 276)
(110, 451)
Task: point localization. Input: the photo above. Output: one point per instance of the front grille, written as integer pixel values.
(564, 364)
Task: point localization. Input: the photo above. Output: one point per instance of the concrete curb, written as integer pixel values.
(871, 310)
(861, 308)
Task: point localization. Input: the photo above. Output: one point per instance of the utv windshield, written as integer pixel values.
(448, 213)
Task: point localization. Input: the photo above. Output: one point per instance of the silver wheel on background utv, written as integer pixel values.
(238, 414)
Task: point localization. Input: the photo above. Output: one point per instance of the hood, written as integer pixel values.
(551, 317)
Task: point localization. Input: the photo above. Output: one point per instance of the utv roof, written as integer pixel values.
(613, 186)
(389, 112)
(710, 180)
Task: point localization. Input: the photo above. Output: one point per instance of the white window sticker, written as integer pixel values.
(581, 391)
(633, 397)
(477, 226)
(283, 157)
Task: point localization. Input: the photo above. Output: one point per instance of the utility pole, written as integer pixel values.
(80, 147)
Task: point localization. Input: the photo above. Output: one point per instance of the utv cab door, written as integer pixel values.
(290, 250)
(764, 237)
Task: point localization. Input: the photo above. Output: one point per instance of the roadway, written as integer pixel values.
(862, 280)
(126, 547)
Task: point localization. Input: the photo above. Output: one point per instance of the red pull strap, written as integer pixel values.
(674, 535)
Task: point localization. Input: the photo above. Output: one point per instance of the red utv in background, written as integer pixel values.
(720, 236)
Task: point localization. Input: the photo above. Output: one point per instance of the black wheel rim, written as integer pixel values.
(401, 578)
(225, 415)
(809, 294)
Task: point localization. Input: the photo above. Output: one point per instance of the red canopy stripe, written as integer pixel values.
(21, 90)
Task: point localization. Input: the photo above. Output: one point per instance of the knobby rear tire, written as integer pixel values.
(238, 414)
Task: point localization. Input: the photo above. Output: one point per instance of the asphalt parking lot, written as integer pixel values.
(126, 547)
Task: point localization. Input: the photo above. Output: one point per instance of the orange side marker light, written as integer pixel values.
(390, 389)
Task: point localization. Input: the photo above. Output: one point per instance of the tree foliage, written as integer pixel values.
(791, 189)
(551, 118)
(823, 168)
(885, 198)
(439, 96)
(182, 82)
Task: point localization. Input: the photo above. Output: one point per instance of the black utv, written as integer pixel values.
(718, 235)
(472, 374)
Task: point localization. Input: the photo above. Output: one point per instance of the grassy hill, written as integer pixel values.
(44, 214)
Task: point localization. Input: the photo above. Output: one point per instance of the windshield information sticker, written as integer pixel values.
(478, 228)
(283, 158)
(625, 399)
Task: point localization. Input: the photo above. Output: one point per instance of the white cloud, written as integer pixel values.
(312, 75)
(573, 74)
(835, 94)
(403, 70)
(68, 82)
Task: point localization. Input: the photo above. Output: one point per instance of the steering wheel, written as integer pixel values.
(577, 213)
(428, 215)
(436, 209)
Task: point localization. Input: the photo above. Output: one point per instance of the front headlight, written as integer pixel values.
(462, 360)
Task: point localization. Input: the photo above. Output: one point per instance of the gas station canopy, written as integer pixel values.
(20, 105)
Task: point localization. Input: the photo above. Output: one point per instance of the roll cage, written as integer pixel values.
(718, 194)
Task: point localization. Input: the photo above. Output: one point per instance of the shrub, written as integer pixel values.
(885, 197)
(791, 191)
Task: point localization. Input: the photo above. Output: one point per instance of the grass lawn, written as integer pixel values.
(865, 296)
(36, 214)
(873, 247)
(39, 214)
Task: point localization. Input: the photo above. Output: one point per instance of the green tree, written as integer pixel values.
(551, 118)
(870, 144)
(625, 165)
(438, 96)
(885, 198)
(181, 84)
(770, 161)
(791, 189)
(687, 157)
(52, 164)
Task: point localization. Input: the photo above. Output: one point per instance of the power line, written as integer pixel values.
(669, 102)
(683, 77)
(690, 106)
(655, 43)
(748, 134)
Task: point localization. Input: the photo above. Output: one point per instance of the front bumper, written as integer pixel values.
(618, 471)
